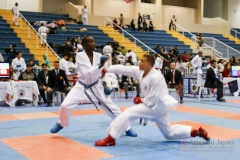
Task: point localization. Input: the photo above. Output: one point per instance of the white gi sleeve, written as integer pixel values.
(130, 71)
(154, 91)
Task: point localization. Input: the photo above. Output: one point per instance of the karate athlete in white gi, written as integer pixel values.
(153, 105)
(18, 64)
(43, 33)
(88, 87)
(85, 15)
(16, 14)
(158, 62)
(197, 65)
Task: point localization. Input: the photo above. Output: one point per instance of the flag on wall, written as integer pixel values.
(128, 1)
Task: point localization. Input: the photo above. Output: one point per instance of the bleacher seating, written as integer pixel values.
(7, 37)
(158, 37)
(220, 38)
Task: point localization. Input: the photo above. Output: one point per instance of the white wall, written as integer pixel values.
(113, 8)
(183, 14)
(51, 6)
(24, 5)
(234, 13)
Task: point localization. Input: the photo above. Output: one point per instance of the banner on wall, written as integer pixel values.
(146, 16)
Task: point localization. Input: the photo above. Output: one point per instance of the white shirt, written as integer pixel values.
(1, 57)
(84, 13)
(127, 55)
(174, 20)
(64, 66)
(134, 57)
(158, 63)
(196, 62)
(107, 50)
(19, 64)
(15, 11)
(43, 30)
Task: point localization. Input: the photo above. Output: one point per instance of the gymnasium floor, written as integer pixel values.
(24, 134)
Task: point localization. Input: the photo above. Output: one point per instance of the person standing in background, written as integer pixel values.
(173, 23)
(85, 15)
(18, 64)
(43, 31)
(139, 22)
(16, 14)
(121, 19)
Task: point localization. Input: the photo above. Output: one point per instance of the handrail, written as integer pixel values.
(228, 47)
(235, 32)
(57, 10)
(30, 26)
(135, 39)
(194, 38)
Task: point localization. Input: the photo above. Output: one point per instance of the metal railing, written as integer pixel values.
(236, 33)
(38, 36)
(125, 32)
(205, 47)
(222, 47)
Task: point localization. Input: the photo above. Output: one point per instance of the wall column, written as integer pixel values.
(199, 14)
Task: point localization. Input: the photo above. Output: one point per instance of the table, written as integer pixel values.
(226, 88)
(11, 91)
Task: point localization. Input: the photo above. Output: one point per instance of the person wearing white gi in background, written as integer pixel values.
(16, 14)
(88, 88)
(18, 64)
(85, 15)
(43, 33)
(153, 105)
(64, 64)
(107, 51)
(158, 62)
(197, 65)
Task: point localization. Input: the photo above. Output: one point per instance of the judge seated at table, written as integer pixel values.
(57, 81)
(213, 82)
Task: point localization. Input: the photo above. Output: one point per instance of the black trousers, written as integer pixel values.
(42, 94)
(50, 94)
(219, 90)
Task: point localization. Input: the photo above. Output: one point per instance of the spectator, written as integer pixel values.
(34, 66)
(145, 25)
(85, 15)
(121, 21)
(220, 66)
(139, 22)
(173, 23)
(15, 14)
(64, 64)
(213, 82)
(174, 80)
(1, 57)
(42, 81)
(227, 70)
(132, 25)
(71, 66)
(18, 64)
(158, 62)
(115, 24)
(11, 53)
(200, 40)
(151, 26)
(128, 81)
(28, 74)
(46, 61)
(43, 33)
(184, 57)
(56, 79)
(108, 50)
(175, 50)
(157, 49)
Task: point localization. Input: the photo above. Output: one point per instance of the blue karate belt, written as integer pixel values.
(100, 102)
